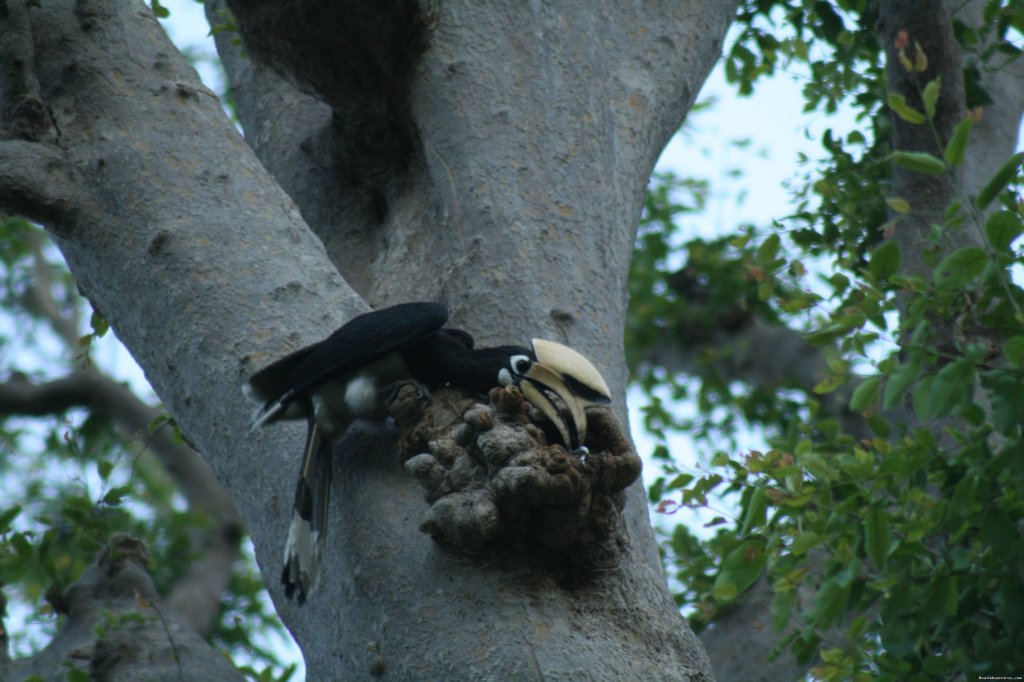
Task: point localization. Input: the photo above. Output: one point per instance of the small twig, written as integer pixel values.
(167, 630)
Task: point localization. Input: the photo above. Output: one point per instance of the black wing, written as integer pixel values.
(360, 342)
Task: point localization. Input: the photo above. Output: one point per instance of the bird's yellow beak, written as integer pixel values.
(562, 371)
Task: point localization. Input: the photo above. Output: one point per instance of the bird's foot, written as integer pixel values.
(390, 392)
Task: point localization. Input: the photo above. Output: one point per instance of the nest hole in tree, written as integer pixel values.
(501, 486)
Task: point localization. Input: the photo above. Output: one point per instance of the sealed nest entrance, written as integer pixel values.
(500, 485)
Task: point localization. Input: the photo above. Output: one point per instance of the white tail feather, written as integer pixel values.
(262, 415)
(302, 556)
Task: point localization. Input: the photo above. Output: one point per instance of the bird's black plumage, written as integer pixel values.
(359, 343)
(343, 378)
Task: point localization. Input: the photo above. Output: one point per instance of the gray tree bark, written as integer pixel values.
(491, 156)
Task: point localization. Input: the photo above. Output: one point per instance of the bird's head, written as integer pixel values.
(550, 369)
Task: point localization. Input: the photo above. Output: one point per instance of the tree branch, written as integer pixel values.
(115, 401)
(195, 597)
(739, 355)
(115, 628)
(36, 181)
(995, 136)
(23, 113)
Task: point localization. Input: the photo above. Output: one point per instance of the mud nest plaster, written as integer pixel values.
(496, 480)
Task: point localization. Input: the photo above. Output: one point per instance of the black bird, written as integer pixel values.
(348, 375)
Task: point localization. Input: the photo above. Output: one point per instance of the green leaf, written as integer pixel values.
(952, 385)
(1006, 393)
(829, 384)
(885, 260)
(898, 103)
(1001, 228)
(921, 396)
(952, 596)
(936, 666)
(159, 10)
(865, 393)
(930, 95)
(828, 603)
(858, 626)
(782, 606)
(22, 547)
(157, 422)
(898, 205)
(954, 152)
(877, 536)
(879, 426)
(104, 467)
(803, 301)
(679, 482)
(724, 591)
(99, 324)
(898, 383)
(999, 181)
(78, 502)
(804, 542)
(740, 568)
(960, 267)
(769, 248)
(1014, 351)
(7, 516)
(921, 162)
(114, 495)
(755, 511)
(829, 21)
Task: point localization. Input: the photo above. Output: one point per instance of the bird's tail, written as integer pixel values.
(307, 533)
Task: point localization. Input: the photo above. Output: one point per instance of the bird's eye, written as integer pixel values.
(521, 364)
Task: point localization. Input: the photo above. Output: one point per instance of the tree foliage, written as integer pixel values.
(885, 511)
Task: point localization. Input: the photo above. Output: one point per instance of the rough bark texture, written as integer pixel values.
(496, 164)
(116, 629)
(924, 26)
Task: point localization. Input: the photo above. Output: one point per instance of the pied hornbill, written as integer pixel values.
(349, 375)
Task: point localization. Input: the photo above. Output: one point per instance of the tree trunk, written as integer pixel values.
(490, 157)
